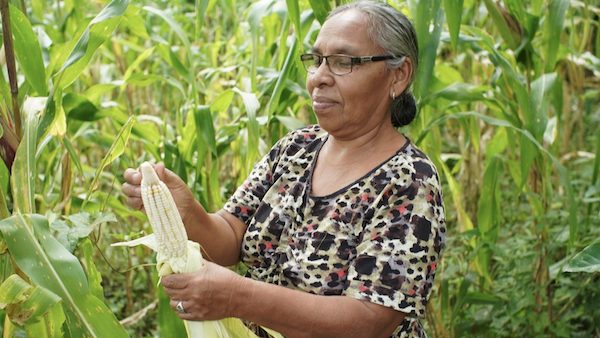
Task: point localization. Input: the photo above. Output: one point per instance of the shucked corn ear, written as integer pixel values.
(177, 254)
(173, 247)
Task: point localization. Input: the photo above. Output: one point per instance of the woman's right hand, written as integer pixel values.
(184, 199)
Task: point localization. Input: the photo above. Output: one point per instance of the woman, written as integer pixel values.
(341, 225)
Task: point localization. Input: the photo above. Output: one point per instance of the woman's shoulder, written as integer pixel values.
(413, 161)
(303, 137)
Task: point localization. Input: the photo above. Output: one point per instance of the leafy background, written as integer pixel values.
(509, 111)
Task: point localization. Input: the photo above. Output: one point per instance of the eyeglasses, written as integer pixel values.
(339, 64)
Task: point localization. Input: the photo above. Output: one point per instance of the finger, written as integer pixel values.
(165, 174)
(135, 203)
(132, 176)
(175, 282)
(174, 303)
(131, 190)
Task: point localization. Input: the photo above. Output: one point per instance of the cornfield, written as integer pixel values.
(509, 110)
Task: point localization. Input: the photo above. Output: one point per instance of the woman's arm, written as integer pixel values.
(220, 234)
(216, 293)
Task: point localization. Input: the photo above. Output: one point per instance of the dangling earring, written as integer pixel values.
(393, 95)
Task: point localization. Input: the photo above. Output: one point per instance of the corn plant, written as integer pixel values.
(508, 111)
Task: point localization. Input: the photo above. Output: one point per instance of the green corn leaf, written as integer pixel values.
(205, 129)
(25, 303)
(94, 276)
(540, 90)
(71, 151)
(510, 35)
(282, 78)
(135, 65)
(428, 25)
(24, 168)
(294, 13)
(453, 9)
(116, 150)
(530, 141)
(488, 212)
(57, 270)
(28, 51)
(459, 92)
(201, 7)
(94, 35)
(251, 104)
(321, 9)
(587, 260)
(552, 31)
(176, 27)
(482, 298)
(169, 325)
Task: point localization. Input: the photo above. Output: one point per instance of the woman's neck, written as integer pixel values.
(384, 140)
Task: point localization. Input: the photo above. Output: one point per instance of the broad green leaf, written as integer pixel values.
(459, 92)
(252, 105)
(294, 13)
(257, 11)
(526, 135)
(201, 7)
(116, 150)
(24, 170)
(540, 89)
(78, 107)
(587, 260)
(78, 226)
(552, 31)
(169, 325)
(321, 9)
(135, 22)
(94, 35)
(25, 303)
(71, 151)
(222, 102)
(175, 26)
(488, 212)
(89, 265)
(453, 9)
(205, 130)
(429, 18)
(509, 33)
(282, 78)
(136, 64)
(482, 298)
(28, 51)
(57, 270)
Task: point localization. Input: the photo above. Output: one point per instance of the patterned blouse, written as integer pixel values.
(378, 239)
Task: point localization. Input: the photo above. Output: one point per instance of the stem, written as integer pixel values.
(11, 65)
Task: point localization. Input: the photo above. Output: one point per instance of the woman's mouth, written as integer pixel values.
(322, 103)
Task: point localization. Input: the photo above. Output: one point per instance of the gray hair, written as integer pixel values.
(392, 31)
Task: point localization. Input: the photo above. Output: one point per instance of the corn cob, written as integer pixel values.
(169, 231)
(177, 254)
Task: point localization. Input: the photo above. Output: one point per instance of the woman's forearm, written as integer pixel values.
(219, 235)
(299, 314)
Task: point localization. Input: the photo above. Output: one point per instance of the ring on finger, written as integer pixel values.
(179, 307)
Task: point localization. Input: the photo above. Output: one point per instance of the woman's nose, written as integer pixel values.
(321, 75)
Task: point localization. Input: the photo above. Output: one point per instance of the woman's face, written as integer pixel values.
(350, 105)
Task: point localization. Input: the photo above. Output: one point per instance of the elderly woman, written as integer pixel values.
(341, 225)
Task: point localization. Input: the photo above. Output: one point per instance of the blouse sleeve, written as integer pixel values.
(246, 199)
(400, 247)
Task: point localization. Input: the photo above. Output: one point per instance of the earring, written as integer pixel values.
(393, 95)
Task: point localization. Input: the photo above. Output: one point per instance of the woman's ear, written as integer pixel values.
(402, 76)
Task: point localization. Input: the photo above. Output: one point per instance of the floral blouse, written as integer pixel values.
(378, 239)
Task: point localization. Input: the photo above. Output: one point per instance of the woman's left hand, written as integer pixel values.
(204, 295)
